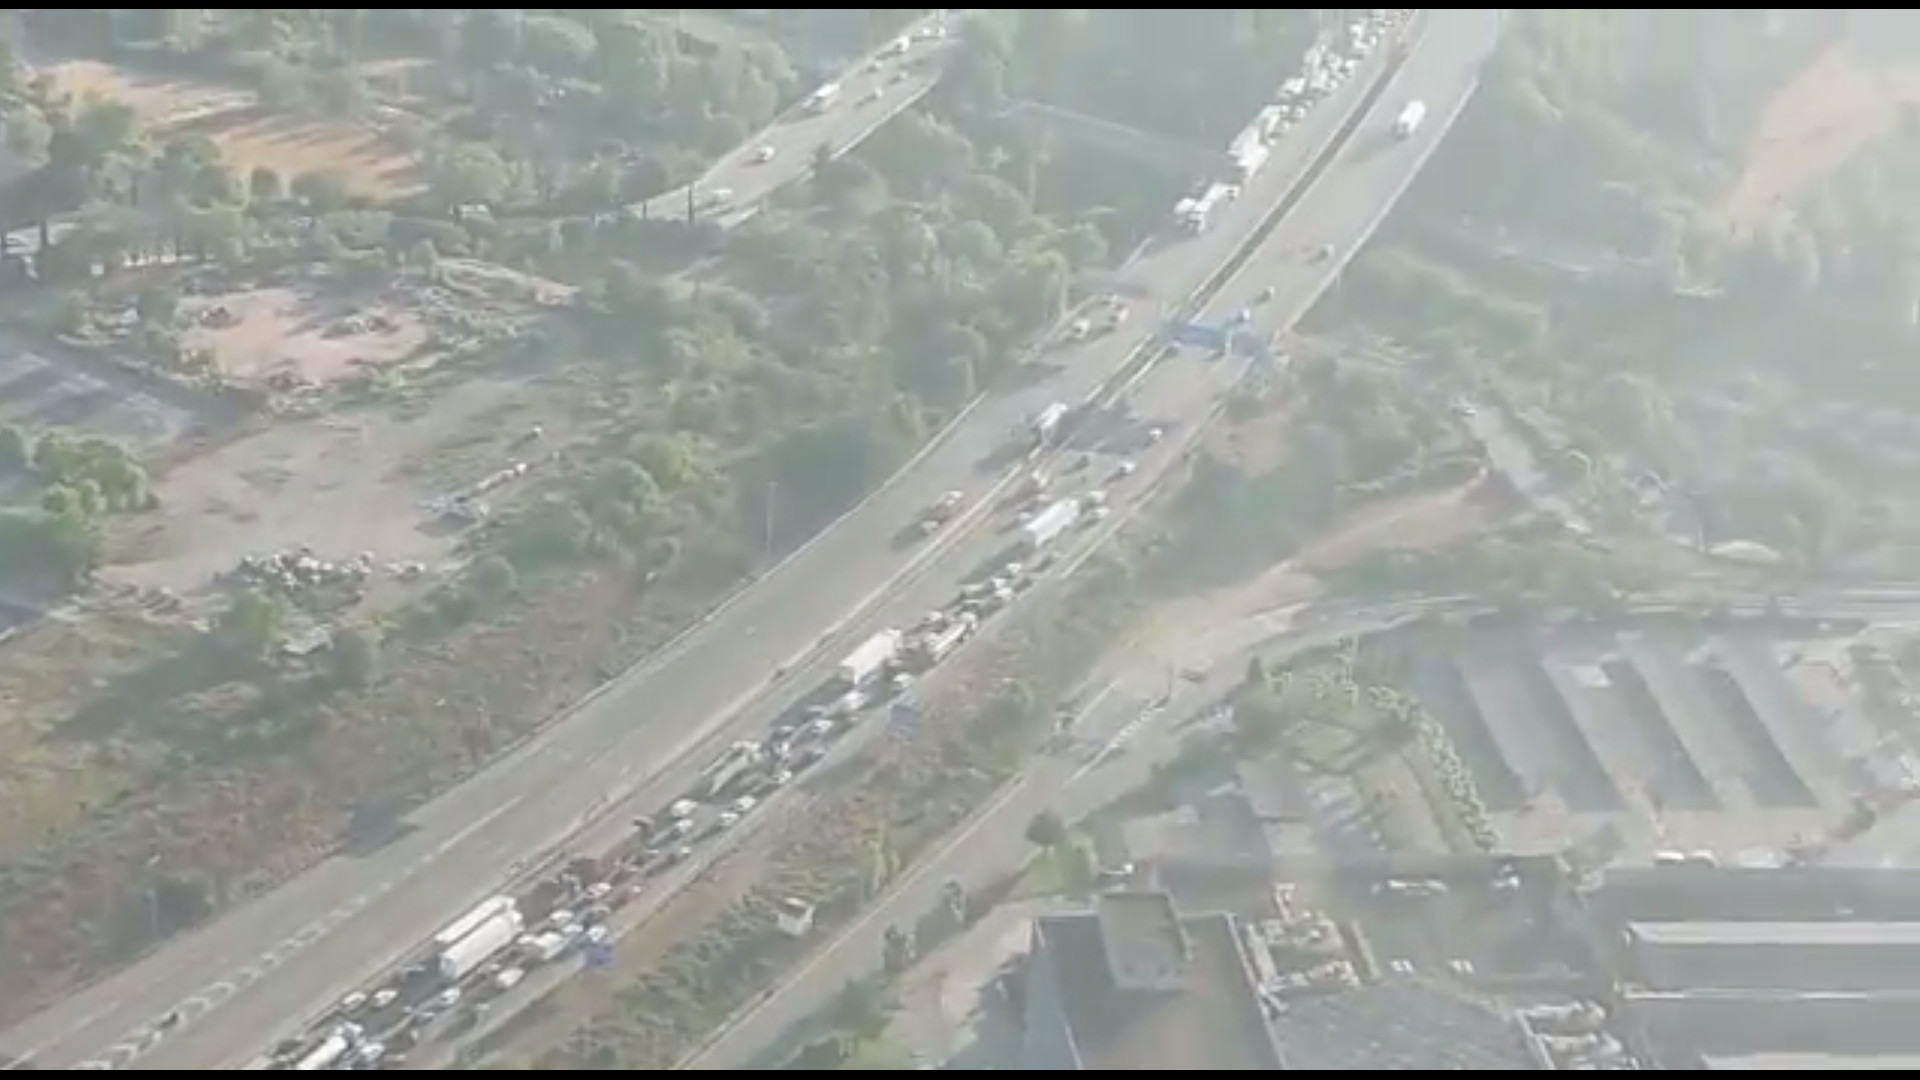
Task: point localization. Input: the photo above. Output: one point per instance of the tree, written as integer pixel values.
(322, 192)
(1047, 831)
(354, 660)
(16, 450)
(251, 624)
(264, 186)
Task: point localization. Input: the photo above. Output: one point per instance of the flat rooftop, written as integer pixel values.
(1767, 932)
(1820, 1062)
(1187, 1002)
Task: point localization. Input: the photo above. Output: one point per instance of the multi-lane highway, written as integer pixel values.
(876, 89)
(256, 973)
(1134, 713)
(1341, 209)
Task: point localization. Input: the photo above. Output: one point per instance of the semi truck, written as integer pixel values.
(740, 760)
(1197, 214)
(326, 1055)
(1409, 119)
(1047, 424)
(823, 98)
(471, 921)
(939, 645)
(870, 659)
(470, 953)
(1048, 525)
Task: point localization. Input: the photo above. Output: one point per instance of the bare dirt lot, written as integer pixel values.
(336, 485)
(1842, 103)
(255, 334)
(247, 135)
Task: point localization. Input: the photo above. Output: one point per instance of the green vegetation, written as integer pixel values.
(857, 841)
(709, 399)
(1330, 718)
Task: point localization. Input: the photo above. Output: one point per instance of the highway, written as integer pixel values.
(1342, 208)
(258, 972)
(874, 90)
(1122, 733)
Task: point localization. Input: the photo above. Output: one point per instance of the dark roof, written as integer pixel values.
(1398, 1026)
(1203, 1014)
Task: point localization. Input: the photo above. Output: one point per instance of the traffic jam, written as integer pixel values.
(491, 949)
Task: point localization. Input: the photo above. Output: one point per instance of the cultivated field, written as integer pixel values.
(247, 135)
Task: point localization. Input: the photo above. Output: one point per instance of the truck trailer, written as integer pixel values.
(823, 98)
(938, 646)
(1048, 525)
(471, 921)
(863, 664)
(326, 1055)
(466, 956)
(1409, 119)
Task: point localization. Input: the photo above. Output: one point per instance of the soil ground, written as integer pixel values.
(1843, 102)
(278, 330)
(247, 135)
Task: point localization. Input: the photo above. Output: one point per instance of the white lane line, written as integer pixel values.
(199, 1004)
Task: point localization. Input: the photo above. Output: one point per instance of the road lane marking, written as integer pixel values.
(202, 1002)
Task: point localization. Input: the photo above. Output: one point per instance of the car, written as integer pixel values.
(764, 154)
(1323, 253)
(1154, 434)
(383, 998)
(1124, 469)
(683, 808)
(727, 820)
(744, 804)
(875, 94)
(354, 1002)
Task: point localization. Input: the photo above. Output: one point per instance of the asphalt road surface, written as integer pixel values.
(876, 89)
(1125, 730)
(258, 973)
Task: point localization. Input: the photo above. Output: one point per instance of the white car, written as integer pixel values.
(727, 820)
(683, 808)
(745, 804)
(385, 998)
(764, 154)
(354, 1002)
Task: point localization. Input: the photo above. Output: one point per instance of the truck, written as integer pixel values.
(939, 645)
(466, 956)
(1048, 525)
(326, 1055)
(1047, 424)
(1247, 162)
(1197, 213)
(1409, 119)
(823, 97)
(1268, 122)
(870, 659)
(468, 923)
(739, 760)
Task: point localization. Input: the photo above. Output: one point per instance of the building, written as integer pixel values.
(1740, 968)
(1134, 984)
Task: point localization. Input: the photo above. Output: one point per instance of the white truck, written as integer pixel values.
(468, 923)
(470, 953)
(1409, 119)
(1047, 423)
(326, 1055)
(939, 645)
(823, 98)
(1048, 525)
(546, 946)
(870, 659)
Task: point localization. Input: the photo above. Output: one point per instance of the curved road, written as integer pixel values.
(255, 973)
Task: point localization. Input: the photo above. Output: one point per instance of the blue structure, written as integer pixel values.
(598, 955)
(903, 716)
(1237, 337)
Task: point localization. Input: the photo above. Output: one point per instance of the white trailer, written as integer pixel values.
(1409, 119)
(871, 658)
(822, 98)
(468, 923)
(466, 956)
(1248, 139)
(1247, 162)
(1199, 213)
(937, 647)
(1048, 524)
(1268, 122)
(326, 1055)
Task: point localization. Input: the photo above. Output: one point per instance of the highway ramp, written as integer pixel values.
(1342, 207)
(874, 90)
(259, 972)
